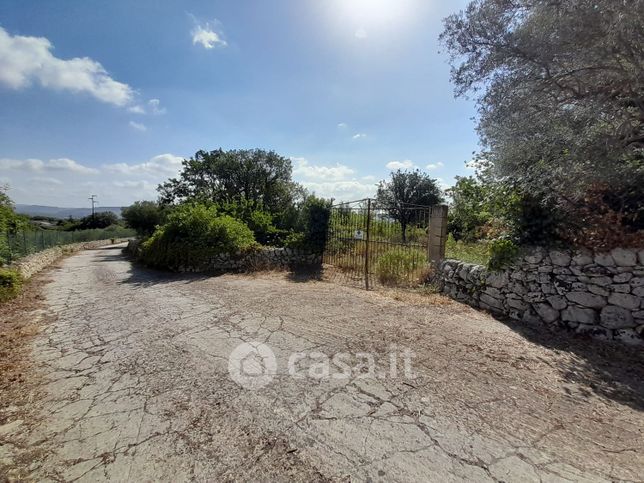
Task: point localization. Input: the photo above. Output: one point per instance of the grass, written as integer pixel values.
(467, 252)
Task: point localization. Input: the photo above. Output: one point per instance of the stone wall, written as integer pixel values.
(261, 259)
(31, 264)
(599, 294)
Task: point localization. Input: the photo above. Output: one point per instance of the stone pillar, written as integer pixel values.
(437, 233)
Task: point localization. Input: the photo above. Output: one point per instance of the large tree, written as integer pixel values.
(262, 178)
(560, 89)
(404, 193)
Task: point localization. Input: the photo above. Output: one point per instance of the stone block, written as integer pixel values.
(624, 257)
(560, 258)
(579, 314)
(620, 288)
(614, 317)
(622, 277)
(582, 258)
(546, 312)
(587, 299)
(604, 260)
(497, 279)
(597, 290)
(627, 301)
(558, 302)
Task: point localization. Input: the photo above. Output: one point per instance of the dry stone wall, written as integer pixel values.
(600, 294)
(31, 264)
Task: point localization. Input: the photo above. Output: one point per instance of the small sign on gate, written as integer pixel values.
(358, 235)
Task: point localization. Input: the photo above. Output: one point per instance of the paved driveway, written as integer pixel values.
(135, 381)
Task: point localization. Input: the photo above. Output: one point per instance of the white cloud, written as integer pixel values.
(138, 109)
(206, 37)
(167, 164)
(64, 182)
(433, 166)
(359, 135)
(394, 165)
(321, 173)
(25, 60)
(361, 33)
(60, 164)
(341, 190)
(138, 126)
(155, 107)
(343, 125)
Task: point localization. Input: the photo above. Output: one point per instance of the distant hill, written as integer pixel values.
(57, 212)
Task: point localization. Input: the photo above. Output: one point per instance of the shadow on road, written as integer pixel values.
(607, 369)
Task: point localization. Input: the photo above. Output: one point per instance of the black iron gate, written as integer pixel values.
(373, 244)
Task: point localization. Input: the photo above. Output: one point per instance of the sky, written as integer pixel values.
(107, 98)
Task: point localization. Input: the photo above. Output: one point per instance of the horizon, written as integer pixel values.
(108, 101)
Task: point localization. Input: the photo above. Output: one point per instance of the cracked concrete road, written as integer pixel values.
(132, 384)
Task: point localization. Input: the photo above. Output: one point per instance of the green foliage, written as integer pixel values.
(10, 284)
(262, 178)
(143, 216)
(397, 266)
(405, 189)
(502, 254)
(192, 235)
(260, 221)
(469, 211)
(469, 252)
(559, 87)
(312, 225)
(102, 219)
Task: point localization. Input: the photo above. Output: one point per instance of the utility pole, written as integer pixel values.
(92, 198)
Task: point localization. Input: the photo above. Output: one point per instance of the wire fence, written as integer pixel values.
(20, 243)
(371, 244)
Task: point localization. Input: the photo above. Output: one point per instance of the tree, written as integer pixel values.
(560, 90)
(143, 216)
(262, 178)
(404, 191)
(97, 220)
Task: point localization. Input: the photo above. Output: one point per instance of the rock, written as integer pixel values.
(613, 317)
(491, 302)
(558, 302)
(622, 277)
(629, 337)
(497, 279)
(605, 260)
(536, 296)
(587, 299)
(640, 256)
(637, 282)
(582, 258)
(535, 257)
(624, 300)
(531, 319)
(578, 314)
(624, 257)
(639, 314)
(602, 280)
(493, 292)
(621, 288)
(639, 292)
(597, 290)
(546, 312)
(560, 258)
(517, 304)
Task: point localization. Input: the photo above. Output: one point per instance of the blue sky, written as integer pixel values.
(107, 97)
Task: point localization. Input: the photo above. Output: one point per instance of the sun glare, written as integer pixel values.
(373, 13)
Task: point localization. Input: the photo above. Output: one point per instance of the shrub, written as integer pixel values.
(192, 235)
(397, 266)
(143, 216)
(502, 254)
(10, 284)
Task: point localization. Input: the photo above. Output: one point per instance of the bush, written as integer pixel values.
(398, 266)
(502, 254)
(10, 284)
(476, 252)
(143, 216)
(192, 235)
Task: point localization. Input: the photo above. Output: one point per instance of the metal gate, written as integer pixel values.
(373, 244)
